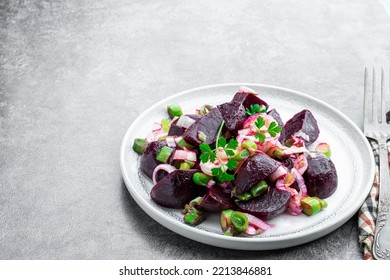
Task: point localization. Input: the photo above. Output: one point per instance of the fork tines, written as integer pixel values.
(376, 95)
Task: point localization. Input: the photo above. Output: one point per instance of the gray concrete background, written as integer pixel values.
(75, 74)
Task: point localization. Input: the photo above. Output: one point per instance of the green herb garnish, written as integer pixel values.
(254, 109)
(209, 154)
(221, 172)
(273, 129)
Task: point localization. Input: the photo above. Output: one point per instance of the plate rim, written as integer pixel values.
(219, 240)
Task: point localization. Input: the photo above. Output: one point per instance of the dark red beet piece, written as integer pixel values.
(161, 174)
(253, 170)
(302, 125)
(148, 159)
(176, 130)
(234, 115)
(273, 113)
(176, 189)
(320, 176)
(226, 187)
(270, 204)
(208, 124)
(248, 99)
(216, 200)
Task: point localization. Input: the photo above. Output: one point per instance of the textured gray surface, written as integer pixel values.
(75, 74)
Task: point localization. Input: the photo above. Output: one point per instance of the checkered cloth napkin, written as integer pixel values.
(369, 209)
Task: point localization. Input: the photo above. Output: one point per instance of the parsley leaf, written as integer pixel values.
(254, 109)
(225, 177)
(274, 129)
(229, 153)
(259, 123)
(222, 142)
(208, 154)
(205, 148)
(231, 164)
(221, 172)
(228, 148)
(233, 144)
(216, 171)
(260, 136)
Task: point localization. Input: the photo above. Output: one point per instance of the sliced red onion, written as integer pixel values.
(251, 137)
(246, 89)
(185, 121)
(156, 127)
(171, 142)
(301, 182)
(280, 172)
(280, 185)
(185, 155)
(210, 184)
(178, 139)
(294, 150)
(257, 223)
(158, 132)
(159, 135)
(206, 168)
(300, 164)
(244, 131)
(166, 167)
(302, 135)
(294, 206)
(251, 230)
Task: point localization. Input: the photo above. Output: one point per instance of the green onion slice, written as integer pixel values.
(164, 154)
(201, 179)
(259, 188)
(174, 110)
(140, 145)
(239, 221)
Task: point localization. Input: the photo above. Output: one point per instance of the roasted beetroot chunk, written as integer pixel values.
(148, 160)
(253, 170)
(320, 176)
(302, 125)
(273, 113)
(176, 130)
(248, 99)
(216, 200)
(234, 115)
(176, 189)
(208, 124)
(268, 205)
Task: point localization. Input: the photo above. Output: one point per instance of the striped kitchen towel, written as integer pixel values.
(369, 209)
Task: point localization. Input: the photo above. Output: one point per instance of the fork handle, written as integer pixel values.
(382, 233)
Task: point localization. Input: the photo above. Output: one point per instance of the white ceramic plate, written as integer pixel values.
(351, 154)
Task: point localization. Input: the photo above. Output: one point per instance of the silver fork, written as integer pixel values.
(376, 127)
